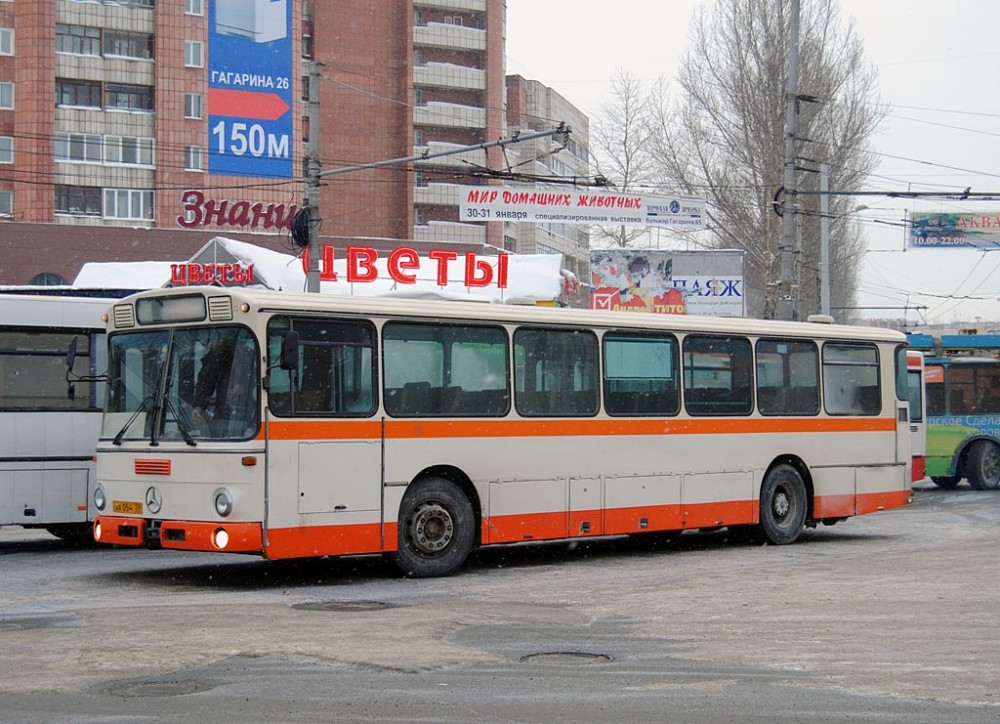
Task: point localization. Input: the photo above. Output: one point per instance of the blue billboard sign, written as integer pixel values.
(250, 88)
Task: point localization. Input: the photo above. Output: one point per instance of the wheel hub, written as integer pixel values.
(781, 504)
(432, 528)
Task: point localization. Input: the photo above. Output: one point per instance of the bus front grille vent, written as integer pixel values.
(220, 309)
(124, 316)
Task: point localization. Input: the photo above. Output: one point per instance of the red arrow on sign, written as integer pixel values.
(245, 104)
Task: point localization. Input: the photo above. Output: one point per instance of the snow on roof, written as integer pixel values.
(529, 276)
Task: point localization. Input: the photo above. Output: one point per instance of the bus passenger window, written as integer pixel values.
(445, 370)
(336, 372)
(640, 374)
(851, 379)
(555, 373)
(717, 375)
(787, 377)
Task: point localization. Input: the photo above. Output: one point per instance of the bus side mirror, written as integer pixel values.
(290, 350)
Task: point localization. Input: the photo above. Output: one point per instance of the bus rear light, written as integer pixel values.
(220, 538)
(249, 460)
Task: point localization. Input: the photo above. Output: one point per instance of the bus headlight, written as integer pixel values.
(99, 500)
(223, 502)
(220, 538)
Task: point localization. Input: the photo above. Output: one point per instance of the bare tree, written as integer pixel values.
(724, 139)
(621, 150)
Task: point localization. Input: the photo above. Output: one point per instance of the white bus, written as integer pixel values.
(47, 440)
(296, 425)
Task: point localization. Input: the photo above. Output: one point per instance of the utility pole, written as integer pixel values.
(824, 239)
(785, 304)
(312, 180)
(314, 175)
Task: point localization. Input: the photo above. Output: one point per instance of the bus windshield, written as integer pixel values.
(182, 384)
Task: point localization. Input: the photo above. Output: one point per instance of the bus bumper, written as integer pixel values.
(180, 535)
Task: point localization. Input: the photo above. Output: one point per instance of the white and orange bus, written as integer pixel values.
(297, 425)
(918, 412)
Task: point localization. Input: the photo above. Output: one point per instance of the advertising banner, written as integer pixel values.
(966, 230)
(668, 282)
(558, 206)
(250, 88)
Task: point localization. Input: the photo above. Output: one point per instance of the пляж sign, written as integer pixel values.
(250, 88)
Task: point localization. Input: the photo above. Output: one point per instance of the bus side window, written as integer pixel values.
(850, 379)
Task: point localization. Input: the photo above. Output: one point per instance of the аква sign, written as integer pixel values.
(250, 88)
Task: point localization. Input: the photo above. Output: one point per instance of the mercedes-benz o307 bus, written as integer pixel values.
(296, 425)
(47, 439)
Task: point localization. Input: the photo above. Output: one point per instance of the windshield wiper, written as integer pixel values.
(182, 424)
(128, 423)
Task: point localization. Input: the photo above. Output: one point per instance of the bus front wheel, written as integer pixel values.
(436, 529)
(984, 465)
(783, 505)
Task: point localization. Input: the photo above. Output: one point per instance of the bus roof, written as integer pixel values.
(33, 310)
(295, 302)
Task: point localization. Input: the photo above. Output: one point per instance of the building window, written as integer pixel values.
(80, 147)
(139, 3)
(6, 203)
(6, 149)
(305, 88)
(307, 47)
(418, 136)
(6, 41)
(130, 204)
(128, 45)
(194, 105)
(194, 55)
(78, 200)
(129, 97)
(78, 40)
(194, 7)
(419, 218)
(452, 19)
(128, 150)
(78, 93)
(192, 158)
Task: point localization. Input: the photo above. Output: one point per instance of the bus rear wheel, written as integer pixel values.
(783, 505)
(436, 529)
(984, 465)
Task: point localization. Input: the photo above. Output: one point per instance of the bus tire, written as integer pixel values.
(783, 505)
(436, 529)
(946, 481)
(984, 465)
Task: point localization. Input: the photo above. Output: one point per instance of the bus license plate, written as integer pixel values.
(126, 506)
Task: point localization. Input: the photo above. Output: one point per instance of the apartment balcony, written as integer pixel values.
(448, 75)
(450, 233)
(443, 35)
(436, 195)
(112, 69)
(451, 115)
(473, 5)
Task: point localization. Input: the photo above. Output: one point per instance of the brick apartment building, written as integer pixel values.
(134, 130)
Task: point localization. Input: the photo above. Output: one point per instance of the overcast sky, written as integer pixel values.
(939, 68)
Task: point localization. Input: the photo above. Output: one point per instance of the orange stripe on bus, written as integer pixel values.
(405, 429)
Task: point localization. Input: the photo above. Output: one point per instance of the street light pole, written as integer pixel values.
(785, 304)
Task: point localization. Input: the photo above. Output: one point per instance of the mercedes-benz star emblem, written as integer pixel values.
(153, 500)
